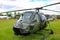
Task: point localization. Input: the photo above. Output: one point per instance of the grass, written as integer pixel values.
(6, 31)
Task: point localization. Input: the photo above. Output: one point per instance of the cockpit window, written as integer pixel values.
(26, 17)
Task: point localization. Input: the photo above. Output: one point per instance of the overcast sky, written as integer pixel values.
(8, 5)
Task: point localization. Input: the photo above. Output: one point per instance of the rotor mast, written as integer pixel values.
(37, 9)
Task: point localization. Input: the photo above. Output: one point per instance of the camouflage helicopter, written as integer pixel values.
(32, 21)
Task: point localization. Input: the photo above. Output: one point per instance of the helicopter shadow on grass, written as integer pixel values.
(40, 35)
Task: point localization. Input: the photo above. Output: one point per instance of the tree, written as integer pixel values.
(8, 14)
(1, 14)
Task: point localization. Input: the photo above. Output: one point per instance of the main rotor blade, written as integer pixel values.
(51, 4)
(40, 7)
(51, 10)
(34, 8)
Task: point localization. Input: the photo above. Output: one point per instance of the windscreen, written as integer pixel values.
(26, 17)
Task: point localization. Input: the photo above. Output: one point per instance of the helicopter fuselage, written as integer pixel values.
(30, 22)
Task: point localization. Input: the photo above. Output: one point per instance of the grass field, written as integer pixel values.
(6, 31)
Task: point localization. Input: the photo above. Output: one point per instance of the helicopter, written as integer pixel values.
(32, 21)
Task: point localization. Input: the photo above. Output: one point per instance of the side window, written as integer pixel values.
(36, 18)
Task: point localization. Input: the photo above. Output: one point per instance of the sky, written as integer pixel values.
(10, 5)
